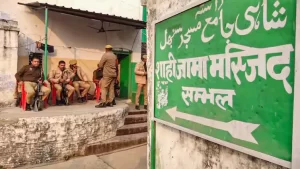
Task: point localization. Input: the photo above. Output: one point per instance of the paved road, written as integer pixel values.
(130, 159)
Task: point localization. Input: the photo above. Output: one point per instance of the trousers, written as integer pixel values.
(81, 84)
(58, 88)
(107, 85)
(138, 93)
(30, 88)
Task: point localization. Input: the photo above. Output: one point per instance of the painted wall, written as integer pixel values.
(8, 60)
(175, 149)
(71, 36)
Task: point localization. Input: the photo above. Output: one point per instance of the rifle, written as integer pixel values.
(38, 101)
(64, 92)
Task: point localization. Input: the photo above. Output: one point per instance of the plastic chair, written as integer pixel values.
(23, 98)
(53, 94)
(97, 91)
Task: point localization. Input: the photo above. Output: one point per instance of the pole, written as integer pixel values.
(152, 144)
(144, 33)
(45, 59)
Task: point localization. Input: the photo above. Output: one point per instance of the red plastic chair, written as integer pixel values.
(23, 98)
(53, 92)
(97, 91)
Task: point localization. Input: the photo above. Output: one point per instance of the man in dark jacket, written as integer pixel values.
(31, 75)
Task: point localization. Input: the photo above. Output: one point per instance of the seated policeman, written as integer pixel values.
(80, 80)
(31, 75)
(58, 77)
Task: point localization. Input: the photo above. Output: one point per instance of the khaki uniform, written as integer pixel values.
(108, 63)
(29, 75)
(80, 84)
(55, 76)
(141, 80)
(30, 88)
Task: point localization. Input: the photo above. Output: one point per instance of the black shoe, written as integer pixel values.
(101, 105)
(145, 107)
(114, 102)
(109, 104)
(83, 99)
(137, 107)
(79, 100)
(18, 101)
(59, 102)
(28, 107)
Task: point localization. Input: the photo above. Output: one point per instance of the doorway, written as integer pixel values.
(124, 73)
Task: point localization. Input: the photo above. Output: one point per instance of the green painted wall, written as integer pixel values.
(228, 73)
(144, 34)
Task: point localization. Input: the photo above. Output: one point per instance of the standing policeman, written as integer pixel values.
(109, 66)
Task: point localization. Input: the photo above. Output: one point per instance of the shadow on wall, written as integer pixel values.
(71, 31)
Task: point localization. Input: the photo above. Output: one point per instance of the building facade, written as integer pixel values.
(73, 37)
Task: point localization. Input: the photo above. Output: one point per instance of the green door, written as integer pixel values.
(124, 77)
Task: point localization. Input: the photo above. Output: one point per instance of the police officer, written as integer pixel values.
(31, 75)
(141, 80)
(80, 80)
(108, 63)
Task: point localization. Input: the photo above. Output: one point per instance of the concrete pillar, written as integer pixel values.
(8, 61)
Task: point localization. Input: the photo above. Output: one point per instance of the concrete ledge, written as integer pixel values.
(9, 25)
(55, 133)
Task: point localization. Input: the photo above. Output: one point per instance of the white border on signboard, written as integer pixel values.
(296, 117)
(296, 138)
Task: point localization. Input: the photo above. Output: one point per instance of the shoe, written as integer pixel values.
(59, 102)
(137, 107)
(101, 105)
(145, 107)
(109, 104)
(18, 101)
(83, 99)
(28, 107)
(79, 100)
(66, 102)
(114, 102)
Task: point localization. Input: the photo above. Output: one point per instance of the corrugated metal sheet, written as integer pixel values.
(89, 14)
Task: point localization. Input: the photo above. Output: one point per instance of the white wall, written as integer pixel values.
(179, 150)
(8, 60)
(124, 8)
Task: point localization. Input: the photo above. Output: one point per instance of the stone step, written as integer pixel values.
(116, 143)
(132, 129)
(135, 112)
(134, 119)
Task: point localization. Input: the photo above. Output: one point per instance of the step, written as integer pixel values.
(132, 129)
(118, 142)
(135, 112)
(134, 119)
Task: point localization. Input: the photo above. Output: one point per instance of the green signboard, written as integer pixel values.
(225, 69)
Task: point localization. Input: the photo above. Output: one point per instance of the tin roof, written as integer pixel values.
(88, 14)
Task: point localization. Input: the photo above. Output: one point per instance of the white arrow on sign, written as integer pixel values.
(237, 129)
